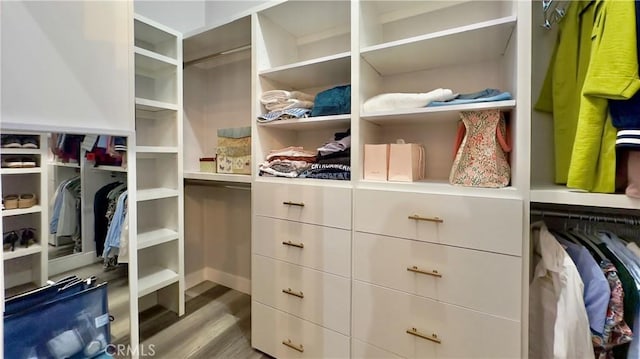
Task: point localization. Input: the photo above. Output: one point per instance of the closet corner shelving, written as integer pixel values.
(159, 163)
(26, 265)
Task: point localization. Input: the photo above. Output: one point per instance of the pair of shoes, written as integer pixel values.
(15, 162)
(25, 200)
(25, 239)
(13, 141)
(28, 237)
(9, 240)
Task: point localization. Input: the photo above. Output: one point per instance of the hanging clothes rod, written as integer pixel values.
(622, 219)
(213, 56)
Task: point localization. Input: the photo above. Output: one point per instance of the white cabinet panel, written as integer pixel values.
(315, 296)
(322, 248)
(271, 329)
(487, 282)
(328, 206)
(489, 224)
(383, 317)
(360, 349)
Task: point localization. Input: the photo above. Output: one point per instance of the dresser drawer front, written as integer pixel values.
(319, 297)
(383, 316)
(327, 206)
(362, 350)
(318, 247)
(271, 327)
(483, 281)
(480, 223)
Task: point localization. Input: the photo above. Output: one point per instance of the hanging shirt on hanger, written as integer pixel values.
(558, 322)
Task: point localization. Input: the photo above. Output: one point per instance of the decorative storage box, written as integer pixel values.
(376, 162)
(208, 164)
(406, 162)
(234, 150)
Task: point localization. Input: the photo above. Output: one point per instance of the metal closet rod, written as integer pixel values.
(622, 219)
(218, 54)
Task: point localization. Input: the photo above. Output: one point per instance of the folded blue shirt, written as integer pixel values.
(486, 95)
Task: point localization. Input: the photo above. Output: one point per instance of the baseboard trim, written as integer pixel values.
(194, 278)
(232, 281)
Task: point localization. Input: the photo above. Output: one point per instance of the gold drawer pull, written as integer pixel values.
(289, 243)
(433, 337)
(288, 343)
(433, 273)
(427, 219)
(289, 203)
(293, 293)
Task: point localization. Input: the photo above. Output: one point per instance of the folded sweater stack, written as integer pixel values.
(278, 100)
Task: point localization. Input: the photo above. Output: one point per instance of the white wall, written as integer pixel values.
(180, 15)
(67, 63)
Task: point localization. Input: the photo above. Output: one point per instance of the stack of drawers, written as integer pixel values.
(436, 276)
(301, 270)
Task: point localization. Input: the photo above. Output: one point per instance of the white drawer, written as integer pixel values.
(489, 224)
(327, 206)
(316, 296)
(484, 281)
(318, 247)
(383, 317)
(271, 328)
(360, 349)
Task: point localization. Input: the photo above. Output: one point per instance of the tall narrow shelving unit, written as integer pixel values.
(159, 188)
(26, 265)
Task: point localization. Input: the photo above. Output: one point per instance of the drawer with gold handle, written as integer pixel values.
(289, 203)
(433, 337)
(292, 244)
(293, 346)
(293, 293)
(426, 219)
(433, 273)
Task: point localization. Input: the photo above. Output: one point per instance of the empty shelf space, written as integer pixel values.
(20, 151)
(310, 123)
(471, 43)
(150, 66)
(425, 114)
(156, 149)
(21, 211)
(20, 171)
(154, 106)
(155, 193)
(109, 168)
(154, 37)
(562, 195)
(219, 177)
(438, 186)
(329, 70)
(156, 237)
(155, 278)
(22, 252)
(155, 56)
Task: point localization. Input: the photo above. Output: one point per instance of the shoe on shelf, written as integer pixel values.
(10, 141)
(29, 162)
(10, 201)
(27, 200)
(30, 142)
(28, 237)
(9, 240)
(11, 162)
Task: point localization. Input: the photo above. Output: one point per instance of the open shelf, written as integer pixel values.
(310, 123)
(65, 164)
(109, 168)
(435, 186)
(21, 211)
(20, 151)
(155, 278)
(470, 43)
(218, 177)
(151, 65)
(155, 38)
(155, 56)
(156, 237)
(426, 114)
(329, 70)
(156, 193)
(305, 181)
(154, 106)
(22, 252)
(20, 171)
(562, 195)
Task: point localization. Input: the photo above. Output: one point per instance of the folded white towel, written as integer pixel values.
(395, 101)
(287, 104)
(275, 96)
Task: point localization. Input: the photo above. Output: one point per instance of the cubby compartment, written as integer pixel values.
(159, 276)
(152, 39)
(156, 128)
(157, 85)
(155, 167)
(157, 222)
(302, 31)
(24, 270)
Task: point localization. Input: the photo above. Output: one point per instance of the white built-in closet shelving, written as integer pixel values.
(30, 264)
(159, 188)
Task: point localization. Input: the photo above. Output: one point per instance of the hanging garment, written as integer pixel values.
(101, 224)
(123, 253)
(115, 228)
(558, 322)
